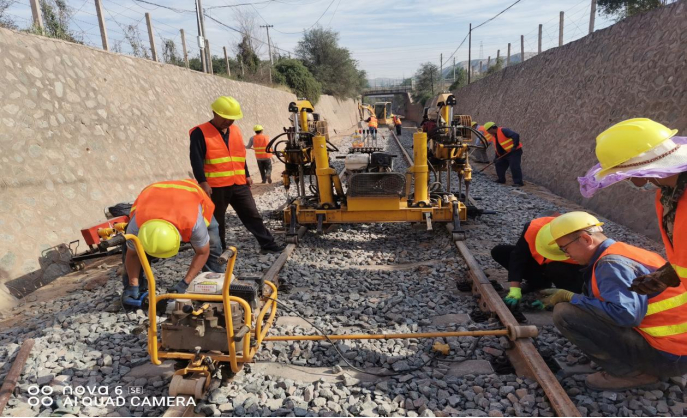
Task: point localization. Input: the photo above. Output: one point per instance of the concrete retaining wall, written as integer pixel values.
(560, 100)
(82, 129)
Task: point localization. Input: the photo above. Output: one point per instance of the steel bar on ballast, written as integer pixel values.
(447, 334)
(13, 376)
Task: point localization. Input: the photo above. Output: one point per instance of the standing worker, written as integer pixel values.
(650, 157)
(259, 142)
(218, 159)
(508, 153)
(372, 124)
(536, 262)
(635, 338)
(398, 124)
(479, 154)
(163, 215)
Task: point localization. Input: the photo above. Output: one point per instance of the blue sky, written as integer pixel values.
(388, 38)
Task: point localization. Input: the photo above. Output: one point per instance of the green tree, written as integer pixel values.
(247, 56)
(170, 54)
(299, 79)
(461, 79)
(426, 82)
(6, 21)
(625, 8)
(498, 66)
(331, 64)
(56, 16)
(133, 37)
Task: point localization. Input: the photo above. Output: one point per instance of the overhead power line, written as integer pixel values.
(242, 33)
(311, 26)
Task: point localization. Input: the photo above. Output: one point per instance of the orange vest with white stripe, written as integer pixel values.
(677, 250)
(176, 202)
(664, 326)
(260, 142)
(397, 120)
(223, 166)
(531, 237)
(505, 142)
(372, 123)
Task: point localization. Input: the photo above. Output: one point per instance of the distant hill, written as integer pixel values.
(514, 59)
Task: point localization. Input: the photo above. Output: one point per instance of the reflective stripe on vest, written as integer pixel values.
(260, 142)
(176, 202)
(676, 251)
(505, 142)
(224, 166)
(664, 326)
(372, 123)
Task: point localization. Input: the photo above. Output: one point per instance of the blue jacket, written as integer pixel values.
(614, 274)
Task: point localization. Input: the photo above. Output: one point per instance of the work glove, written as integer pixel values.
(131, 295)
(180, 287)
(537, 305)
(554, 296)
(655, 282)
(513, 297)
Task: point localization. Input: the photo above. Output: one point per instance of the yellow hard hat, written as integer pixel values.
(159, 238)
(571, 222)
(473, 123)
(628, 139)
(488, 125)
(227, 107)
(544, 246)
(257, 128)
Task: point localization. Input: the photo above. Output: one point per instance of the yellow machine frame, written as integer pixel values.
(375, 209)
(257, 332)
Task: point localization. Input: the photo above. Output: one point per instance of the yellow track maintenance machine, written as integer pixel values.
(374, 192)
(450, 146)
(219, 324)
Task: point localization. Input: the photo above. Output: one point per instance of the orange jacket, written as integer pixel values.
(664, 326)
(223, 166)
(677, 250)
(260, 142)
(176, 202)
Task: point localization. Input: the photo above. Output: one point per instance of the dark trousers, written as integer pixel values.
(398, 129)
(621, 351)
(563, 275)
(511, 160)
(265, 167)
(241, 200)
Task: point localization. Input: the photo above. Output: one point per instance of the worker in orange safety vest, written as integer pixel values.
(258, 142)
(508, 149)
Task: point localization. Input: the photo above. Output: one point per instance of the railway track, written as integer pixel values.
(522, 353)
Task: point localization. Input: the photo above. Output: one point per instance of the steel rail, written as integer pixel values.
(525, 349)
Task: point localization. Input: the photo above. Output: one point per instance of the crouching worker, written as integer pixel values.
(636, 339)
(164, 215)
(535, 262)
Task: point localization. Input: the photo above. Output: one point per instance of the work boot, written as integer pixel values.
(269, 180)
(518, 184)
(272, 248)
(606, 381)
(130, 296)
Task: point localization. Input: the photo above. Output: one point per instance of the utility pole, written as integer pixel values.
(592, 16)
(469, 51)
(560, 29)
(454, 69)
(101, 23)
(37, 15)
(269, 47)
(431, 76)
(201, 38)
(441, 72)
(508, 56)
(522, 48)
(539, 39)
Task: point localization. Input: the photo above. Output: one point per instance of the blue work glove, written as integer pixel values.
(180, 287)
(513, 297)
(131, 295)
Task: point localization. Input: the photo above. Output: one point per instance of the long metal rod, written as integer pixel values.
(533, 361)
(13, 376)
(495, 332)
